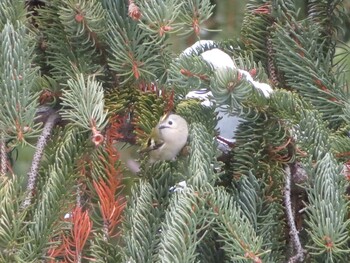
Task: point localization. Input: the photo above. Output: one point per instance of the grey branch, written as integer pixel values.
(3, 155)
(42, 141)
(294, 234)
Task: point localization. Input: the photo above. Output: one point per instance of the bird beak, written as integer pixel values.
(163, 127)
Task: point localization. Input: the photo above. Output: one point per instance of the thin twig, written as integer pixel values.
(33, 173)
(3, 155)
(294, 234)
(78, 198)
(105, 231)
(271, 64)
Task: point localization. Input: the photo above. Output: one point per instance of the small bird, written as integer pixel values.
(167, 138)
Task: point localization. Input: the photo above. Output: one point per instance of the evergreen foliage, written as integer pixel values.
(18, 81)
(80, 78)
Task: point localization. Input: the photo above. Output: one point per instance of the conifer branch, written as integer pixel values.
(55, 196)
(134, 54)
(83, 104)
(40, 146)
(81, 228)
(107, 183)
(103, 251)
(159, 18)
(12, 12)
(327, 218)
(111, 207)
(294, 233)
(18, 77)
(240, 241)
(194, 13)
(186, 223)
(200, 163)
(238, 211)
(297, 53)
(252, 198)
(144, 213)
(11, 219)
(255, 28)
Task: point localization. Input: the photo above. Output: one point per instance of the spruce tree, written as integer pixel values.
(84, 82)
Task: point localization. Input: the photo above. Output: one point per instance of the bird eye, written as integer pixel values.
(170, 122)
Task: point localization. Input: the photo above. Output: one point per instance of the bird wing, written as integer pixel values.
(151, 146)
